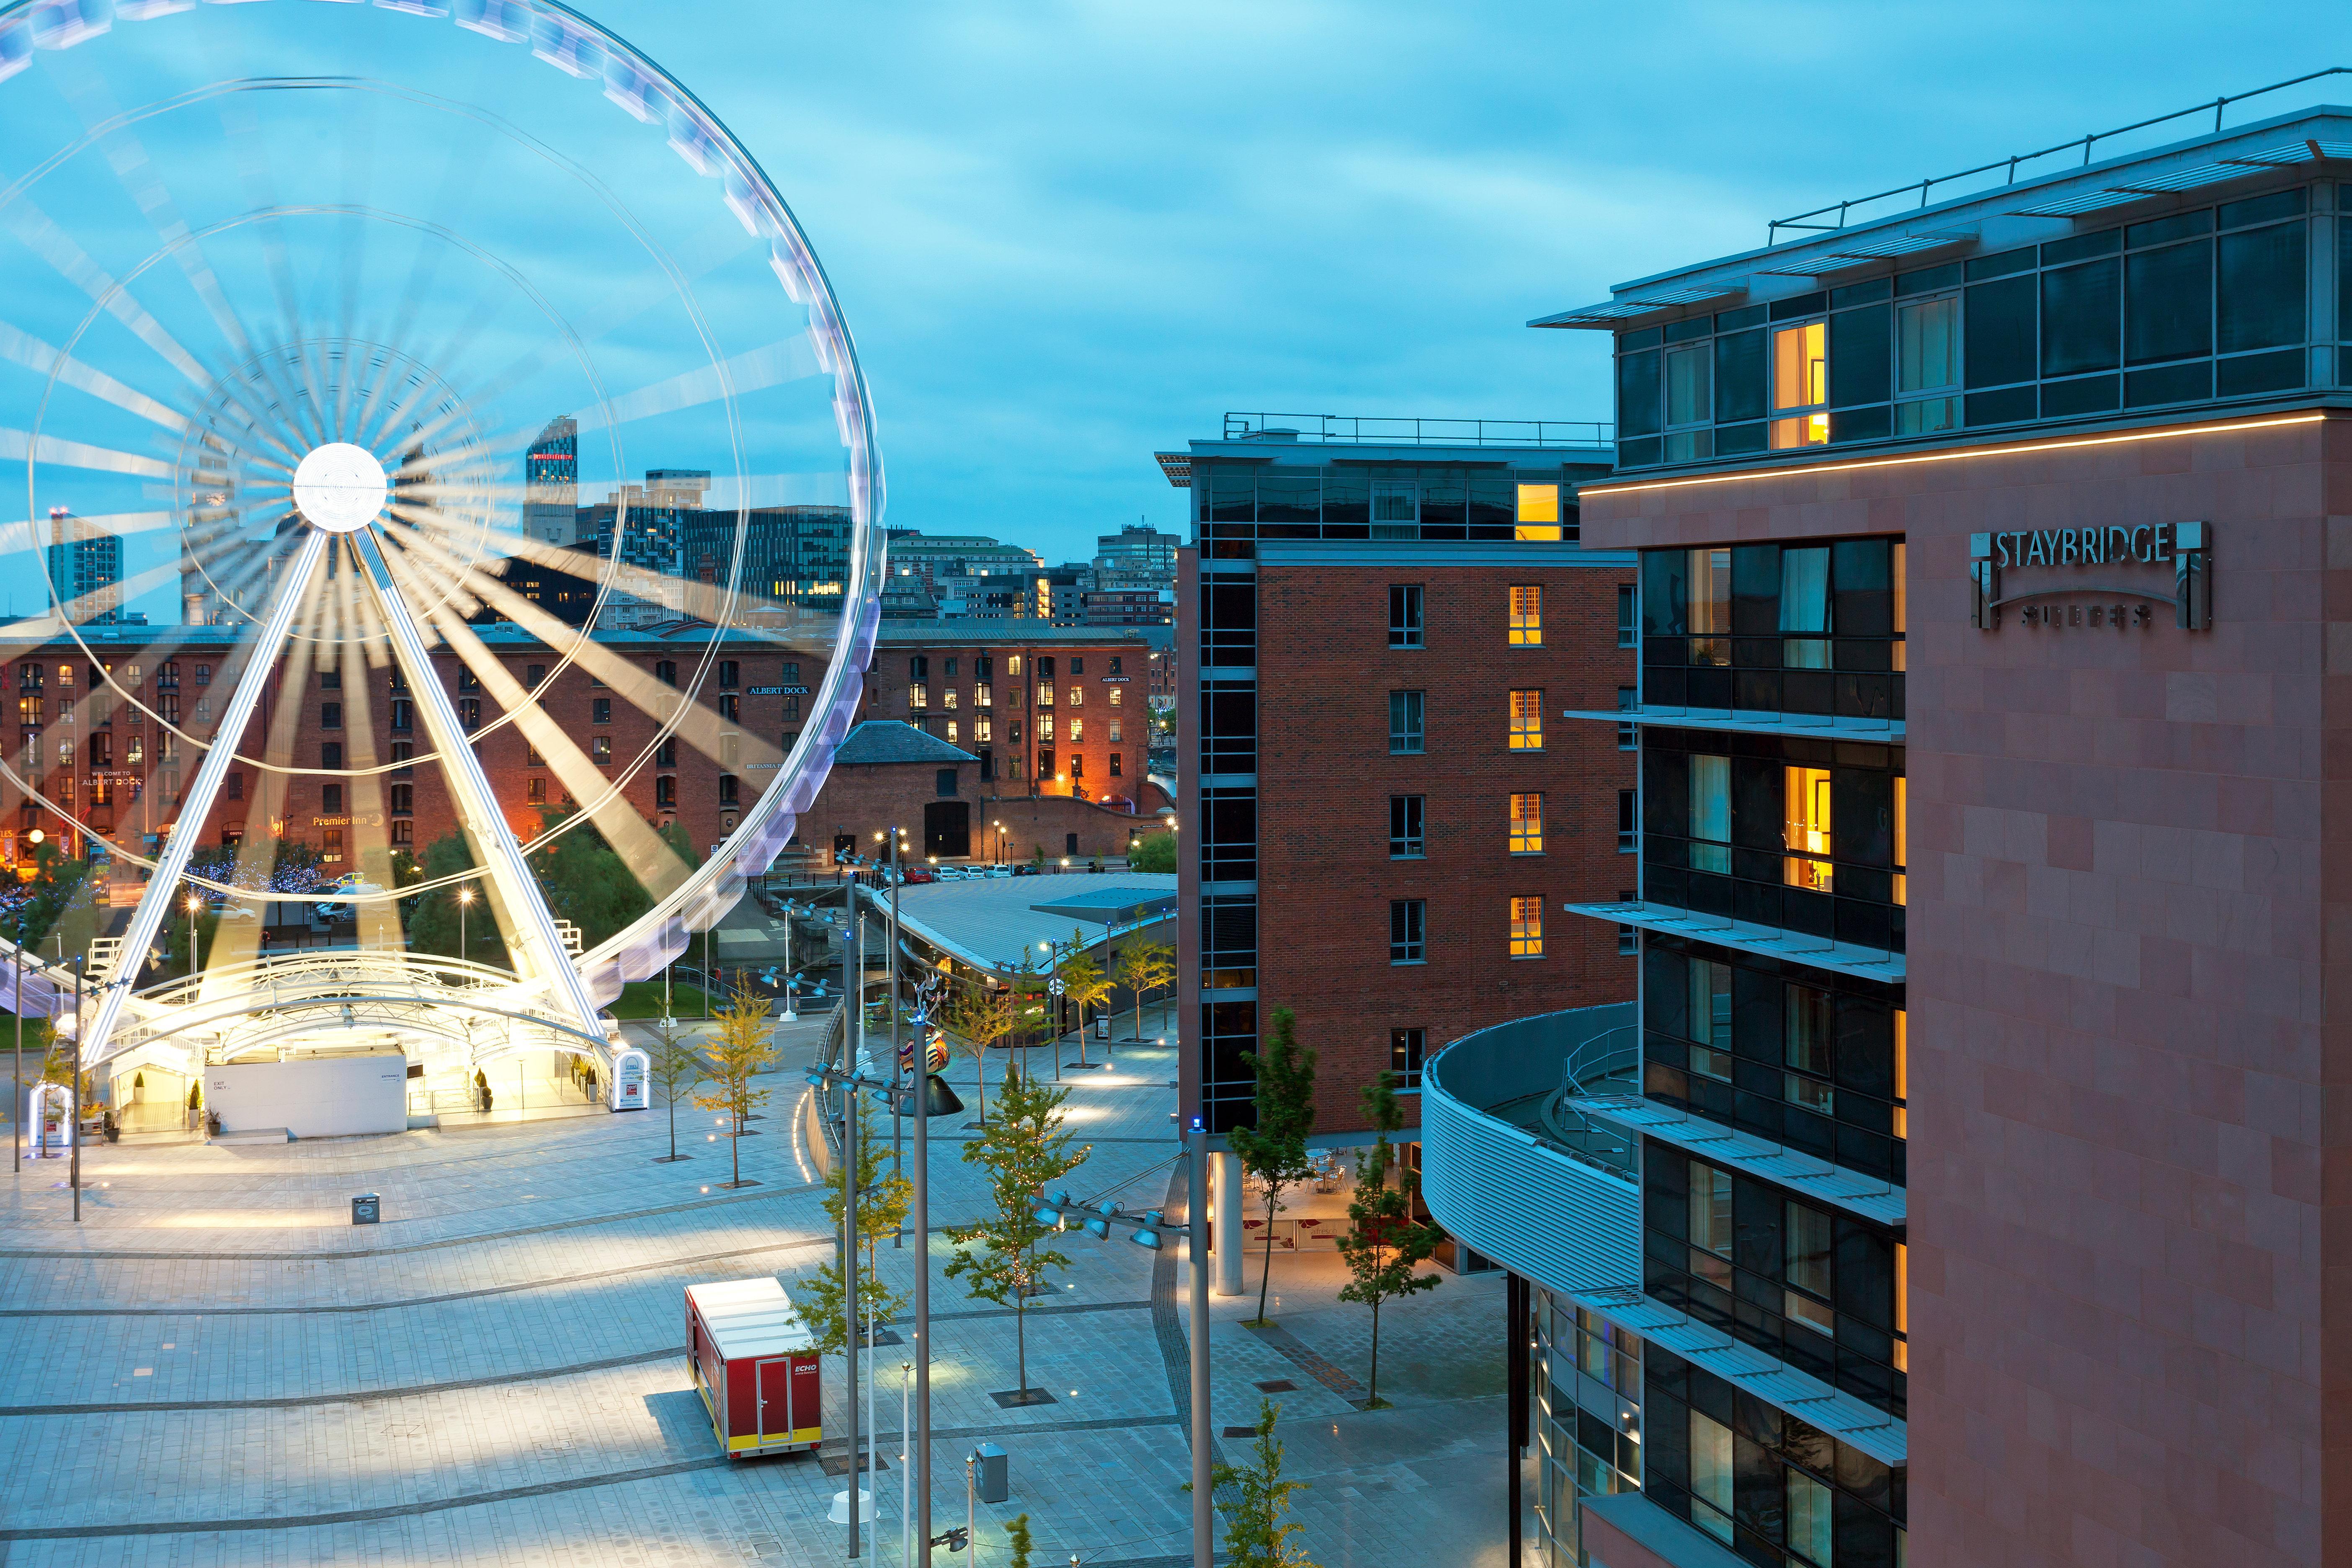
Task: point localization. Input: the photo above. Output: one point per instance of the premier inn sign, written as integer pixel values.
(2111, 578)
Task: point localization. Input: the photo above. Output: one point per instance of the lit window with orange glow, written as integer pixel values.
(1527, 721)
(1902, 837)
(1527, 825)
(1526, 616)
(1806, 831)
(1539, 511)
(1902, 1074)
(1801, 381)
(1527, 927)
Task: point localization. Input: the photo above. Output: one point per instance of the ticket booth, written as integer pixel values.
(49, 1116)
(630, 1071)
(755, 1367)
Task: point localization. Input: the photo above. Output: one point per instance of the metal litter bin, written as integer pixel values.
(367, 1209)
(993, 1473)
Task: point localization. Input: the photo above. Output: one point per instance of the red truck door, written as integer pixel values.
(775, 1376)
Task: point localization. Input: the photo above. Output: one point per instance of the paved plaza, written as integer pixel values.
(216, 1367)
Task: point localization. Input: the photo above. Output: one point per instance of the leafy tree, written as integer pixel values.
(1385, 1243)
(744, 1049)
(681, 843)
(1083, 982)
(1256, 1534)
(676, 1067)
(1274, 1151)
(586, 881)
(1025, 1148)
(60, 887)
(979, 1014)
(434, 922)
(883, 1195)
(1154, 853)
(1144, 966)
(1017, 1542)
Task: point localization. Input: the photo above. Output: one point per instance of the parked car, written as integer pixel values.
(915, 874)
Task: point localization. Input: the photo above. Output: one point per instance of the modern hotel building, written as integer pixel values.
(2086, 438)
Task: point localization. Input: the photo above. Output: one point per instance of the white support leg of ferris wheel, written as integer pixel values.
(478, 808)
(195, 808)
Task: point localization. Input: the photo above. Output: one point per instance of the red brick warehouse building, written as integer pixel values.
(121, 774)
(1381, 632)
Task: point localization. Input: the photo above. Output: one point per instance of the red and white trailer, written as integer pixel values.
(755, 1366)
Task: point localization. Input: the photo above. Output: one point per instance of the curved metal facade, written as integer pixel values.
(1567, 1222)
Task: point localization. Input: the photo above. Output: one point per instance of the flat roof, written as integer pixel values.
(1120, 905)
(993, 923)
(750, 1318)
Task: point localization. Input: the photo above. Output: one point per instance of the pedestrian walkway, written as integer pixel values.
(216, 1367)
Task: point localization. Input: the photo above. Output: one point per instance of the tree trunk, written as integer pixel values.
(673, 1124)
(735, 1151)
(1372, 1394)
(1266, 1274)
(1021, 1341)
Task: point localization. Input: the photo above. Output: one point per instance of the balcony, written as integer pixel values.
(1511, 1167)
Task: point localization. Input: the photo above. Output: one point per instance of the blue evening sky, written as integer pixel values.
(1065, 233)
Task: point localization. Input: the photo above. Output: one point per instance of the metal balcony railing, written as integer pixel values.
(1416, 432)
(2008, 167)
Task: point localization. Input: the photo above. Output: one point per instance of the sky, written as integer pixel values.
(1067, 232)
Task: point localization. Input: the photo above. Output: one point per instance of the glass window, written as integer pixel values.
(1807, 796)
(1395, 501)
(1406, 1048)
(1527, 927)
(2082, 310)
(1710, 813)
(1710, 606)
(1739, 376)
(1806, 1236)
(1710, 1017)
(1626, 628)
(1710, 1461)
(1998, 332)
(1527, 721)
(1404, 615)
(1407, 933)
(1538, 513)
(1810, 1532)
(1805, 607)
(1405, 716)
(1527, 825)
(2261, 299)
(1690, 385)
(1637, 394)
(1405, 838)
(1526, 614)
(2168, 303)
(1800, 379)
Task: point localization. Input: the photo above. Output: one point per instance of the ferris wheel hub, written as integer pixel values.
(340, 487)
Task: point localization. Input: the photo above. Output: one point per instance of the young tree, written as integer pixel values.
(1017, 1542)
(1145, 966)
(744, 1049)
(1256, 1534)
(979, 1014)
(1083, 983)
(1274, 1151)
(678, 1067)
(1385, 1243)
(1025, 1148)
(882, 1200)
(1154, 853)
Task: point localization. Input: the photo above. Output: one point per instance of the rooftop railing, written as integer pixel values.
(1411, 432)
(1846, 210)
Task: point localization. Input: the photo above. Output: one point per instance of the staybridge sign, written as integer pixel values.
(2131, 565)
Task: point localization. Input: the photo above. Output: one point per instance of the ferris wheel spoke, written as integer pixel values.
(18, 445)
(656, 865)
(779, 362)
(147, 919)
(42, 358)
(51, 244)
(510, 876)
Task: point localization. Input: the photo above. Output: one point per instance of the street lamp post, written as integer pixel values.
(16, 1006)
(73, 1178)
(465, 899)
(194, 903)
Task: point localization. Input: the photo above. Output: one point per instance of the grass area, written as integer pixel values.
(642, 999)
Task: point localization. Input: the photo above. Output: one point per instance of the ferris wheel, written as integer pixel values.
(320, 320)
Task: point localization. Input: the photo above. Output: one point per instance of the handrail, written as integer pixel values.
(1412, 431)
(2085, 143)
